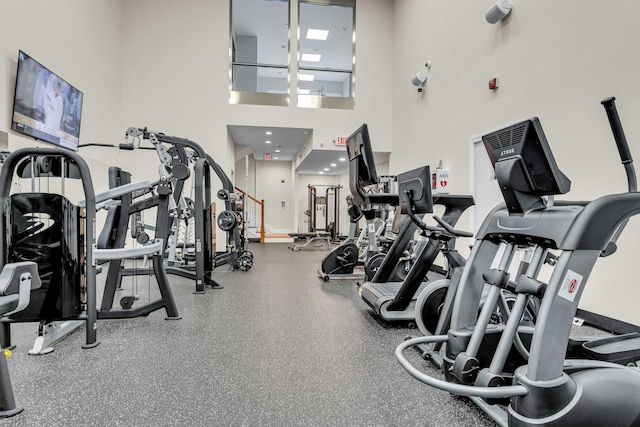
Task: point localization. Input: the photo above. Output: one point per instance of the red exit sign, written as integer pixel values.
(341, 140)
(266, 157)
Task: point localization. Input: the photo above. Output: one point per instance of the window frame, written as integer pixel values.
(259, 98)
(319, 101)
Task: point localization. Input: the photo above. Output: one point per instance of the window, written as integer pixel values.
(259, 52)
(326, 53)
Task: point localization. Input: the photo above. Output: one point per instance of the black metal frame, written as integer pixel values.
(205, 260)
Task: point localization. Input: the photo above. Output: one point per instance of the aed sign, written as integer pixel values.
(440, 181)
(341, 140)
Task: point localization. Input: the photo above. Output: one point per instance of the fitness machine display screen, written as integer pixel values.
(359, 144)
(525, 167)
(45, 106)
(418, 183)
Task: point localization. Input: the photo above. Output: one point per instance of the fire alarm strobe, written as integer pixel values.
(493, 83)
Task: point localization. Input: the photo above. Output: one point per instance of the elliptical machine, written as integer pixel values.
(342, 261)
(548, 388)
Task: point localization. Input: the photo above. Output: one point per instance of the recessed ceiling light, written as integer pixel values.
(321, 173)
(342, 159)
(306, 77)
(268, 132)
(333, 165)
(326, 169)
(277, 150)
(267, 142)
(311, 57)
(304, 91)
(313, 34)
(275, 158)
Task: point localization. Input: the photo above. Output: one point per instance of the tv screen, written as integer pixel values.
(45, 106)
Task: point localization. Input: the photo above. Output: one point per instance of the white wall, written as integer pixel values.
(556, 60)
(81, 42)
(274, 185)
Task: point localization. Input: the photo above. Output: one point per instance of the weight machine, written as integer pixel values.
(198, 214)
(60, 237)
(329, 207)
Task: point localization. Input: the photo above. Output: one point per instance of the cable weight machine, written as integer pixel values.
(204, 258)
(327, 206)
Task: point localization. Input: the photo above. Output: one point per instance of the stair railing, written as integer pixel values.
(251, 208)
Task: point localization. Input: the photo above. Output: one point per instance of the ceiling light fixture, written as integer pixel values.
(333, 165)
(326, 169)
(267, 142)
(268, 132)
(342, 159)
(311, 57)
(321, 173)
(277, 150)
(313, 34)
(306, 77)
(304, 91)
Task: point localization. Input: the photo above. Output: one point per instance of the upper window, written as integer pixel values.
(259, 52)
(326, 53)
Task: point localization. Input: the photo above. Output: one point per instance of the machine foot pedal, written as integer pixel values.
(621, 349)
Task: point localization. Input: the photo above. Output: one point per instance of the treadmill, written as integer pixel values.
(395, 301)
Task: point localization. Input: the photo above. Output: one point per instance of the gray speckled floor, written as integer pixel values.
(276, 346)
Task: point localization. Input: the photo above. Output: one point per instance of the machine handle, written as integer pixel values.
(451, 230)
(627, 161)
(616, 127)
(445, 229)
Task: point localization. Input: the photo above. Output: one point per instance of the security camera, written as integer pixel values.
(498, 11)
(419, 78)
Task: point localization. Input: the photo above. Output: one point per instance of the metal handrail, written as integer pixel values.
(259, 203)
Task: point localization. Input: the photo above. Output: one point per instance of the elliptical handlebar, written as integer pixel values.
(444, 229)
(621, 141)
(451, 230)
(625, 156)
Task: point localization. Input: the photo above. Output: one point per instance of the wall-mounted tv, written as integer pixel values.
(45, 106)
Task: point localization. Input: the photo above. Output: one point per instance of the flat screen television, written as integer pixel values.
(45, 106)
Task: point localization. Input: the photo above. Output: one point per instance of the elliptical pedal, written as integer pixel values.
(622, 349)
